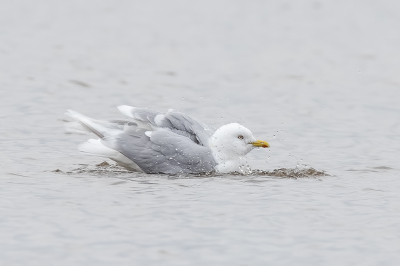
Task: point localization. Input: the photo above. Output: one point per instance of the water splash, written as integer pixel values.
(103, 168)
(291, 172)
(107, 169)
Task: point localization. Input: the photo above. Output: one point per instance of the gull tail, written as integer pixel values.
(102, 129)
(97, 148)
(75, 127)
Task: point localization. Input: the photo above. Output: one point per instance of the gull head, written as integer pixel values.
(235, 140)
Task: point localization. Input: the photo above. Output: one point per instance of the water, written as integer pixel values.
(318, 80)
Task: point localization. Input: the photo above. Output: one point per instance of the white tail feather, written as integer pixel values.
(95, 147)
(100, 128)
(75, 127)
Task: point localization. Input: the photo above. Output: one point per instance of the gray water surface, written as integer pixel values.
(318, 80)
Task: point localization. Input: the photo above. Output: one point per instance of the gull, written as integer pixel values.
(167, 143)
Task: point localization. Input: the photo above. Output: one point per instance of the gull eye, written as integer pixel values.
(240, 137)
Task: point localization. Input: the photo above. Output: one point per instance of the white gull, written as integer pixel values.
(168, 143)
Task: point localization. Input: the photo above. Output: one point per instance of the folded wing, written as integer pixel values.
(177, 122)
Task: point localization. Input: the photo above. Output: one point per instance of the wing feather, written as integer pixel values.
(163, 152)
(177, 122)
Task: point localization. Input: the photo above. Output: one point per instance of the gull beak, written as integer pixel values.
(260, 143)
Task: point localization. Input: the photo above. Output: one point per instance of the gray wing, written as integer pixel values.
(177, 122)
(161, 151)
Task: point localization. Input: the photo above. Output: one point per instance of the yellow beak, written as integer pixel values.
(260, 143)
